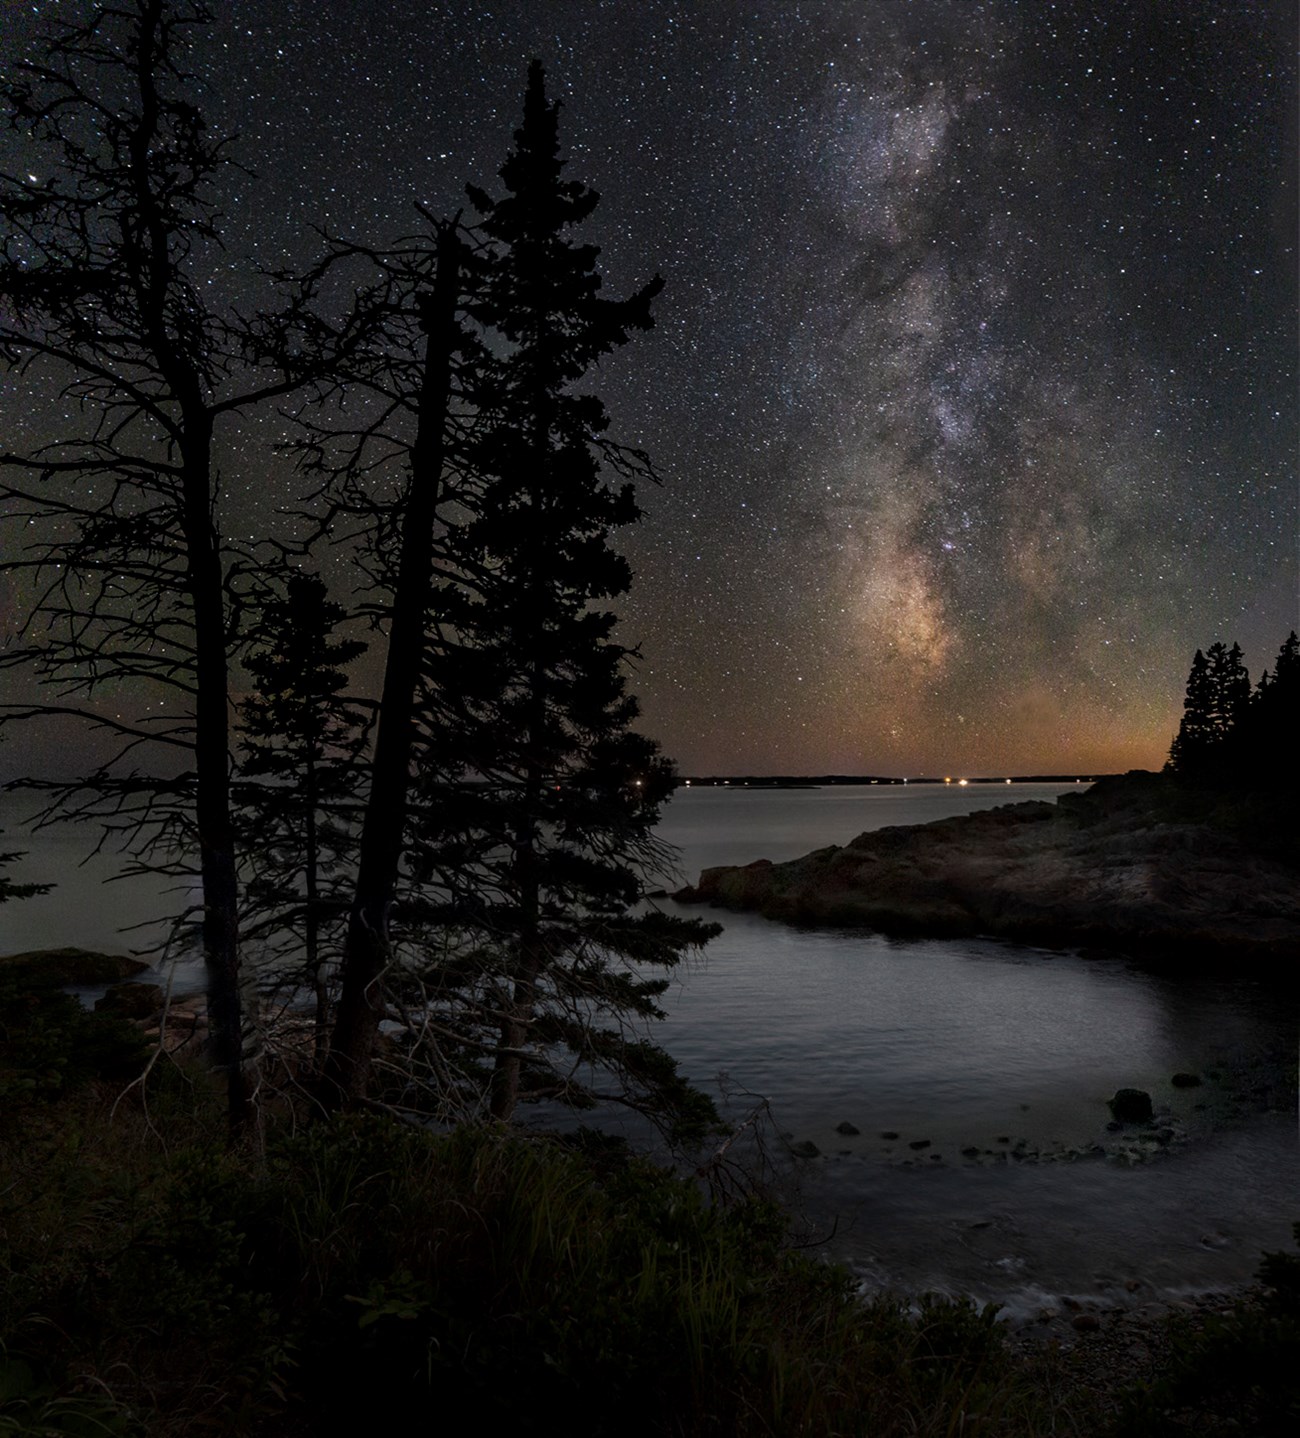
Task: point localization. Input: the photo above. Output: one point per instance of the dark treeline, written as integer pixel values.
(464, 859)
(1232, 733)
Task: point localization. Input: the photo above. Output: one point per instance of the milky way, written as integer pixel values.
(973, 389)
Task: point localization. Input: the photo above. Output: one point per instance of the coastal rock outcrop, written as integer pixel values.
(74, 966)
(1129, 863)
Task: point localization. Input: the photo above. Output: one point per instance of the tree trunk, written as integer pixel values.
(507, 1069)
(148, 254)
(367, 949)
(212, 764)
(528, 957)
(311, 920)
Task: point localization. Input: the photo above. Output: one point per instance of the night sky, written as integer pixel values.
(974, 383)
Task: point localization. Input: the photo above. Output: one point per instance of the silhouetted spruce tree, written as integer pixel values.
(1230, 734)
(1273, 720)
(1191, 752)
(1230, 693)
(539, 797)
(298, 792)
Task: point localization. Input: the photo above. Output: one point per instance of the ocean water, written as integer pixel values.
(975, 1072)
(92, 905)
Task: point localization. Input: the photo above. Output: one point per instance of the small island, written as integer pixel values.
(1138, 862)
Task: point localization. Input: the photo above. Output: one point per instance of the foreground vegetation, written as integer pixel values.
(155, 1279)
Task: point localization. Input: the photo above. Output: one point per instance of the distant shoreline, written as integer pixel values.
(825, 781)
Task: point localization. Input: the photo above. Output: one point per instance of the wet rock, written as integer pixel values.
(889, 1135)
(1186, 1081)
(1085, 1323)
(1131, 1105)
(970, 1151)
(131, 1001)
(1165, 1136)
(847, 1129)
(919, 1143)
(1002, 1138)
(805, 1149)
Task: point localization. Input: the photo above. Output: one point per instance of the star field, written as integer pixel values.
(973, 386)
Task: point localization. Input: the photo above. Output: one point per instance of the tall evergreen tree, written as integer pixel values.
(1230, 734)
(299, 783)
(540, 795)
(1273, 720)
(1229, 690)
(1191, 751)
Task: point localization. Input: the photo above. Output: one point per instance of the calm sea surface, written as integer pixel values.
(976, 1072)
(1000, 1056)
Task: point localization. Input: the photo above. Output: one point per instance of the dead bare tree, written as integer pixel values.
(126, 374)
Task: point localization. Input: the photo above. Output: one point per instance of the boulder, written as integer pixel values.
(847, 1129)
(805, 1149)
(1186, 1081)
(1131, 1105)
(132, 1001)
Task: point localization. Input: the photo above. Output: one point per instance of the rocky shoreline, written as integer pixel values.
(1130, 864)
